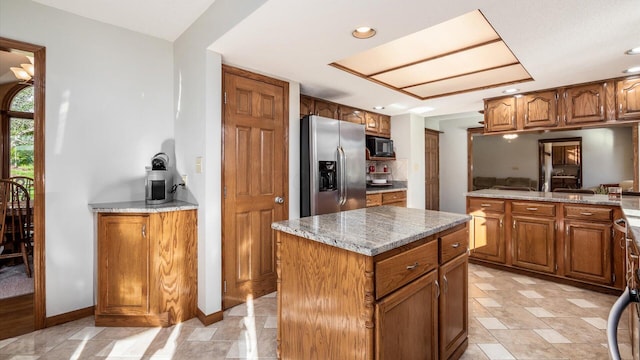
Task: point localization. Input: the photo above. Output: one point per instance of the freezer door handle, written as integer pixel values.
(342, 176)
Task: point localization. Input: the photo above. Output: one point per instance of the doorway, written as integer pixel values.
(432, 173)
(26, 313)
(559, 164)
(255, 181)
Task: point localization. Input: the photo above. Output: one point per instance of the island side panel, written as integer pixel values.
(325, 301)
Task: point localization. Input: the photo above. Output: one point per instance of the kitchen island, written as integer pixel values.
(376, 283)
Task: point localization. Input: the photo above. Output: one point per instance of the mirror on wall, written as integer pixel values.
(594, 157)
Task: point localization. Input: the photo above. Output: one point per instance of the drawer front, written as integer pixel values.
(531, 208)
(454, 244)
(588, 213)
(476, 204)
(394, 272)
(374, 200)
(393, 196)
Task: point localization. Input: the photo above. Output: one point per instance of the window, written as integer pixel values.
(19, 158)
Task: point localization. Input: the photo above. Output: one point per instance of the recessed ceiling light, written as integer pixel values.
(363, 32)
(378, 107)
(632, 69)
(634, 51)
(510, 91)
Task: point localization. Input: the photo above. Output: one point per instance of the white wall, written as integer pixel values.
(108, 111)
(453, 158)
(407, 132)
(607, 155)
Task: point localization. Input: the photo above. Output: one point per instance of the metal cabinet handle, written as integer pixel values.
(532, 208)
(437, 289)
(485, 205)
(455, 245)
(413, 266)
(144, 231)
(446, 284)
(586, 213)
(468, 251)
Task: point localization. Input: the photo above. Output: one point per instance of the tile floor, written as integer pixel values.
(511, 317)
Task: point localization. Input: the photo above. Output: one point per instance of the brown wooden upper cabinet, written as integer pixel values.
(500, 114)
(377, 124)
(586, 103)
(307, 106)
(628, 99)
(353, 115)
(326, 109)
(608, 101)
(538, 109)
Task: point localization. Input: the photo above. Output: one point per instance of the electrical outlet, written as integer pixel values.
(184, 179)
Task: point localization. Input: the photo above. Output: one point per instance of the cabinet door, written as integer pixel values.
(628, 99)
(351, 115)
(533, 243)
(500, 114)
(488, 237)
(557, 155)
(539, 109)
(587, 251)
(372, 124)
(571, 155)
(584, 104)
(407, 321)
(123, 264)
(306, 106)
(452, 308)
(326, 109)
(384, 126)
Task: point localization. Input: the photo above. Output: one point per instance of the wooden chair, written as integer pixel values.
(25, 181)
(15, 222)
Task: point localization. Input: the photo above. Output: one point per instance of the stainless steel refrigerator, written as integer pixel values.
(333, 166)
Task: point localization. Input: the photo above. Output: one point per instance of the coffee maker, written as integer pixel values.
(158, 183)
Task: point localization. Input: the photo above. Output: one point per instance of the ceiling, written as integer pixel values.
(557, 42)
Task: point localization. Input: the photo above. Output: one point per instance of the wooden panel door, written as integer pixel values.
(453, 310)
(539, 109)
(488, 237)
(407, 321)
(628, 99)
(584, 104)
(587, 251)
(500, 114)
(123, 264)
(255, 182)
(350, 114)
(533, 243)
(432, 173)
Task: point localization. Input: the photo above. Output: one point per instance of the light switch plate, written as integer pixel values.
(199, 165)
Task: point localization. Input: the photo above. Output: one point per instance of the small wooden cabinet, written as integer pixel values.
(377, 125)
(350, 114)
(393, 198)
(533, 237)
(628, 99)
(585, 103)
(565, 155)
(147, 268)
(500, 114)
(488, 231)
(538, 109)
(326, 109)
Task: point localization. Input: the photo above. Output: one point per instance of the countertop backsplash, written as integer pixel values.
(398, 168)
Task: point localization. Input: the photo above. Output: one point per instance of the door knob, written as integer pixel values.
(279, 200)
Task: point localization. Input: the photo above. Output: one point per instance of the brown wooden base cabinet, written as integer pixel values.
(393, 198)
(569, 242)
(337, 304)
(147, 268)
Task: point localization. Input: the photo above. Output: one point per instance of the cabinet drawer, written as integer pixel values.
(486, 205)
(393, 196)
(588, 213)
(453, 244)
(374, 200)
(530, 208)
(396, 271)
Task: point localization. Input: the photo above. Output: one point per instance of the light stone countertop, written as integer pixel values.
(371, 231)
(141, 207)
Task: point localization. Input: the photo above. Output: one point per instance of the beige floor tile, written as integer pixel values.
(496, 351)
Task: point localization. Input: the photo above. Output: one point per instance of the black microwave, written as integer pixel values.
(380, 147)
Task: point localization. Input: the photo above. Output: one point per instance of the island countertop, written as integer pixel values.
(371, 231)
